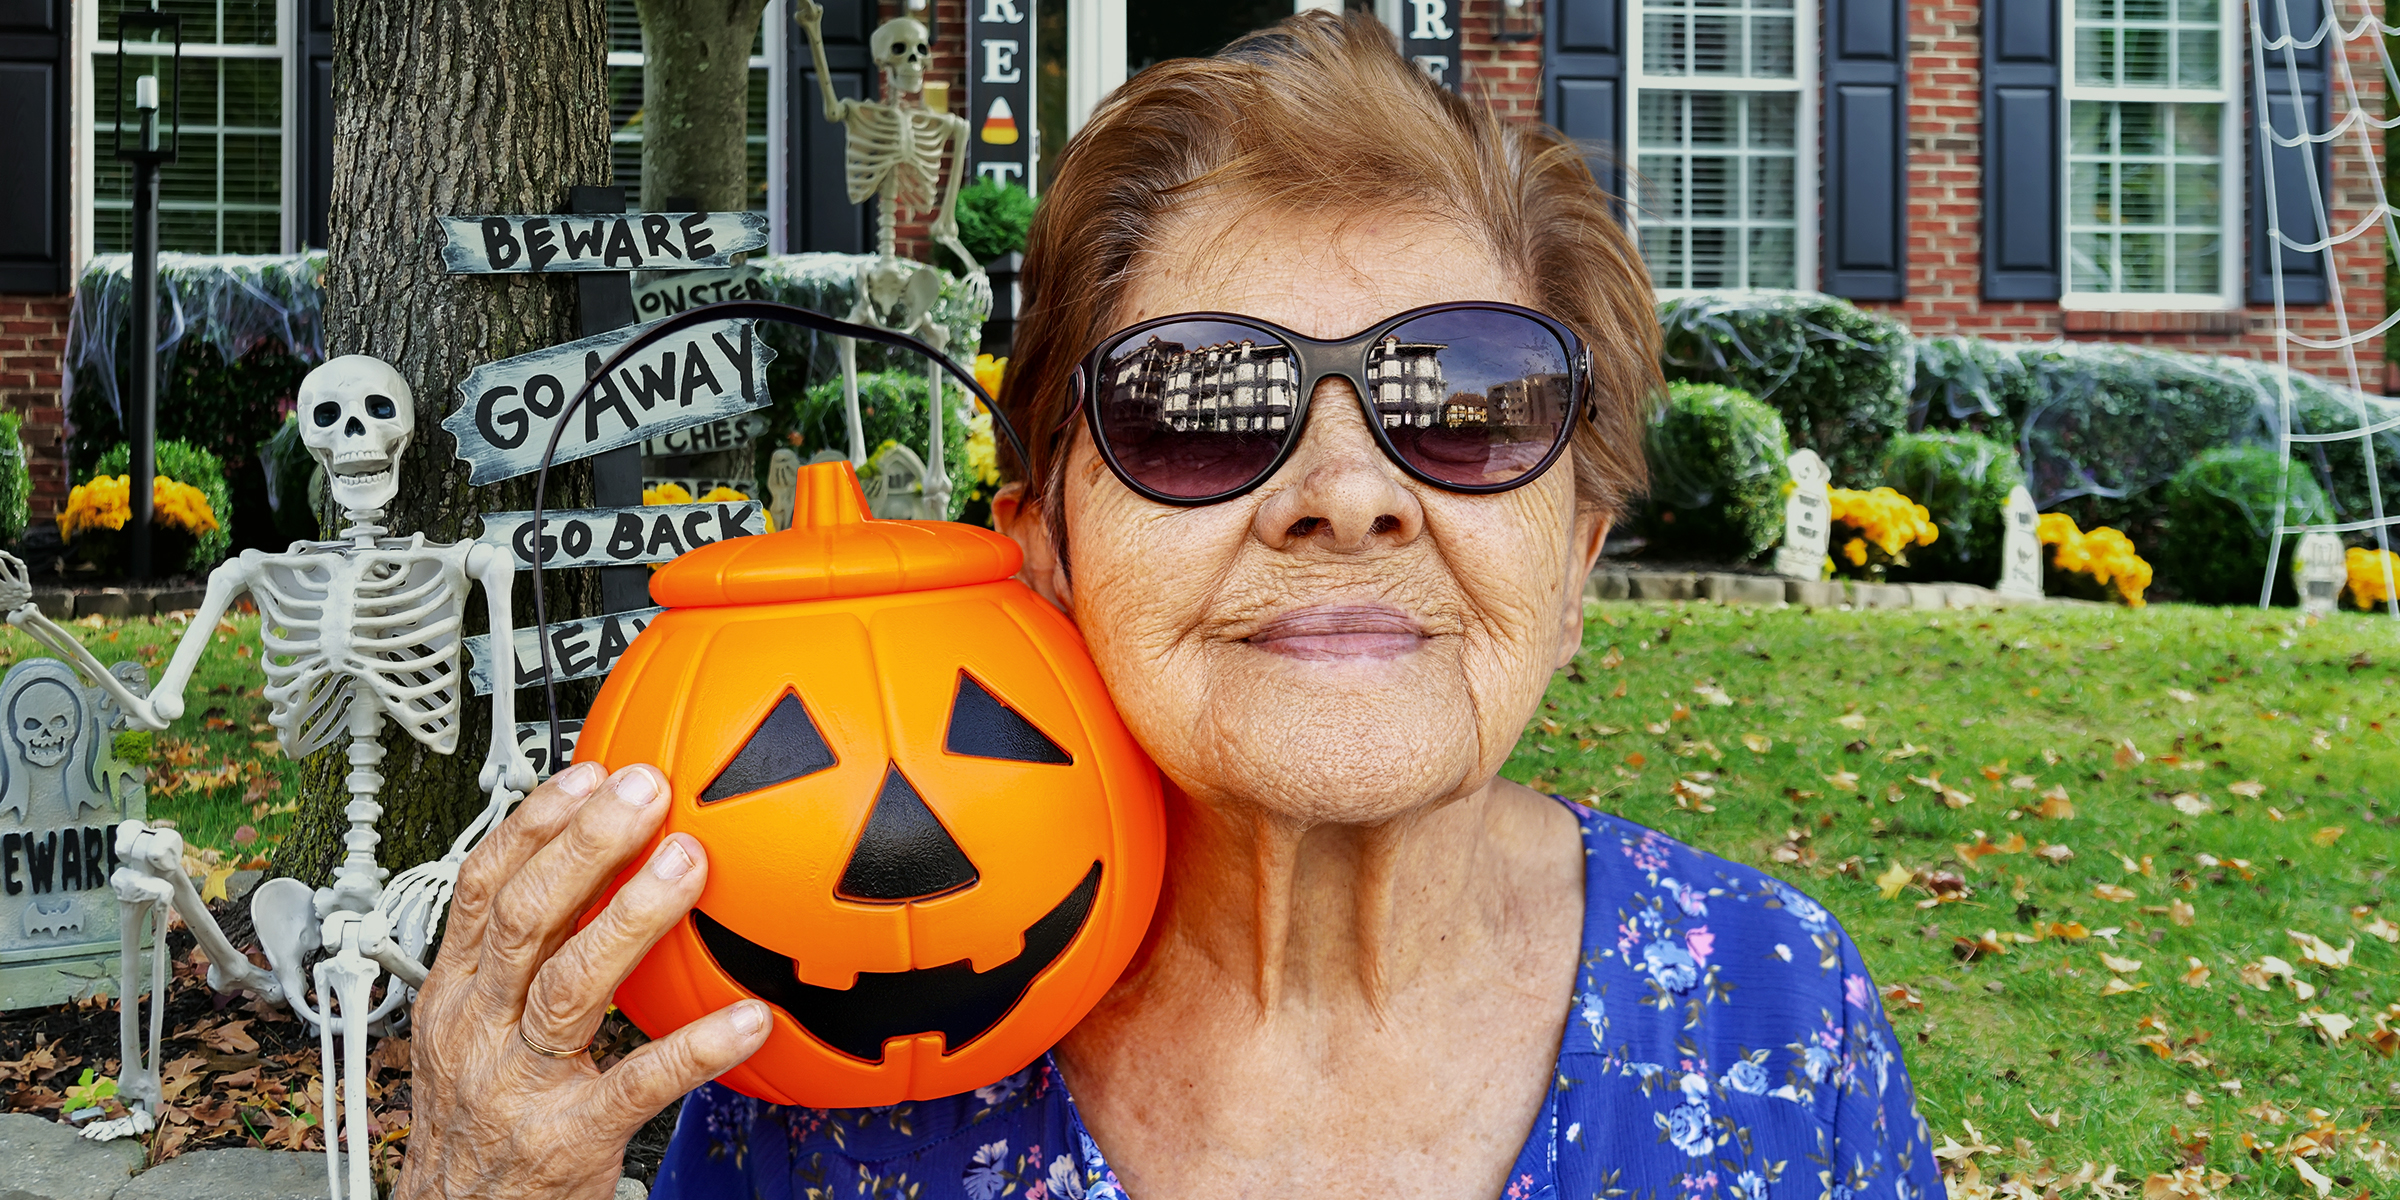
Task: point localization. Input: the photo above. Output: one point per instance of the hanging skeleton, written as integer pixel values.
(358, 632)
(894, 154)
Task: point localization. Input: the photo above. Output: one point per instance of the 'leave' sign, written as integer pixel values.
(507, 409)
(611, 242)
(621, 537)
(578, 649)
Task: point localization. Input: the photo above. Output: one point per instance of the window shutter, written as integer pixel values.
(2289, 111)
(1584, 81)
(2023, 233)
(33, 141)
(820, 215)
(1866, 149)
(312, 178)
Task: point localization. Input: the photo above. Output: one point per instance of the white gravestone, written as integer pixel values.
(1807, 519)
(62, 792)
(2020, 547)
(2320, 573)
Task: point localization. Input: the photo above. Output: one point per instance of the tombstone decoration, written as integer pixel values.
(1807, 519)
(2319, 572)
(391, 657)
(2020, 547)
(893, 153)
(783, 486)
(64, 791)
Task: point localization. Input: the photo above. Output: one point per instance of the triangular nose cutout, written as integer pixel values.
(905, 854)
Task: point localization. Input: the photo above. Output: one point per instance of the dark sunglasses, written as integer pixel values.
(1195, 408)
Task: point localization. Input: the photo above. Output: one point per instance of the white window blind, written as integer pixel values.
(2151, 142)
(224, 193)
(1724, 141)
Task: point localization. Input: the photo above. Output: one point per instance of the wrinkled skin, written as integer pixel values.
(1364, 955)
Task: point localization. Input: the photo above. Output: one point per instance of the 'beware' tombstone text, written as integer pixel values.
(606, 242)
(507, 409)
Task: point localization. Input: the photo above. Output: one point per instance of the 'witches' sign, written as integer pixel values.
(507, 409)
(604, 242)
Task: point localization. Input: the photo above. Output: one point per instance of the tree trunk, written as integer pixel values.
(448, 107)
(696, 102)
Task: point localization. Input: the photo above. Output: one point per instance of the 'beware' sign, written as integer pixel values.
(507, 409)
(621, 537)
(610, 242)
(578, 649)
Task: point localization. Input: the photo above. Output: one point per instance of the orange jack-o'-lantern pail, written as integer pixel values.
(932, 845)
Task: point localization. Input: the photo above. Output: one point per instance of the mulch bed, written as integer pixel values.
(238, 1072)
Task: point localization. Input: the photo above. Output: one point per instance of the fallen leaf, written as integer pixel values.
(2248, 789)
(1851, 720)
(2181, 696)
(2317, 950)
(2334, 1026)
(2127, 756)
(2313, 1177)
(2328, 835)
(2048, 1120)
(230, 1037)
(1846, 781)
(1611, 660)
(1891, 881)
(2119, 963)
(1901, 996)
(2191, 805)
(212, 888)
(2053, 853)
(2197, 976)
(2383, 927)
(2072, 931)
(1758, 743)
(2055, 806)
(2110, 891)
(2117, 986)
(1713, 694)
(1693, 795)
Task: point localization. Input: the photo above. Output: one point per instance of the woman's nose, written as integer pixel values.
(1338, 491)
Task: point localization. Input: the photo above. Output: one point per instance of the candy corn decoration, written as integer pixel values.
(1000, 123)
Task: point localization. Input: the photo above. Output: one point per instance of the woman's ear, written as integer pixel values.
(1583, 550)
(1021, 520)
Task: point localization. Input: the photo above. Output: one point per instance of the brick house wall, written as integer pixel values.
(33, 347)
(1945, 231)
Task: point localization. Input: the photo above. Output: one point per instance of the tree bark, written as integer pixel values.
(696, 101)
(448, 107)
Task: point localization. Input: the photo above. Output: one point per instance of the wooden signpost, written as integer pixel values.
(664, 293)
(580, 649)
(597, 240)
(622, 537)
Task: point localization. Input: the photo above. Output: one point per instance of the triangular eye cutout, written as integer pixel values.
(785, 747)
(982, 727)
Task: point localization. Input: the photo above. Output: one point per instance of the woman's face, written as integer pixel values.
(1343, 643)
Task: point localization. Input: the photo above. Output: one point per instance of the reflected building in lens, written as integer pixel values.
(1243, 386)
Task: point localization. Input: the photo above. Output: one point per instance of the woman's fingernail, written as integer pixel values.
(580, 779)
(636, 786)
(748, 1016)
(672, 861)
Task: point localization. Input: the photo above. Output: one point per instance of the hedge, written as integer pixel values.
(1839, 376)
(1717, 472)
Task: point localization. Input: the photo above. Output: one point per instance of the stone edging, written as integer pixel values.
(1724, 587)
(62, 604)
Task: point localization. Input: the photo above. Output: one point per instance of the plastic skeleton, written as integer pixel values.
(894, 153)
(358, 632)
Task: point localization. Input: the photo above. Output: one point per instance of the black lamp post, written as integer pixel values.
(150, 152)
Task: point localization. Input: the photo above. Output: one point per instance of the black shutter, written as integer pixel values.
(1583, 92)
(1866, 149)
(33, 141)
(2023, 233)
(2290, 111)
(312, 183)
(819, 214)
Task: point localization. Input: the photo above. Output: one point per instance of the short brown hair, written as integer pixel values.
(1320, 113)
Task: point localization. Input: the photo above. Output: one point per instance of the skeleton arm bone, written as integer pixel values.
(504, 765)
(945, 225)
(152, 856)
(811, 16)
(165, 701)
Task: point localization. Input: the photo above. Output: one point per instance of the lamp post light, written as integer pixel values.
(150, 152)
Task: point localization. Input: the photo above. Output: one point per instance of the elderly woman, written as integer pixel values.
(1377, 968)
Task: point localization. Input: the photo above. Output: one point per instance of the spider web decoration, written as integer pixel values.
(2284, 122)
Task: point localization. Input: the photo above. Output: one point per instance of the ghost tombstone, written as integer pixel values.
(62, 791)
(2020, 547)
(1807, 519)
(2321, 573)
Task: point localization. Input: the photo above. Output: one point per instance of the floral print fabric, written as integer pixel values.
(1725, 1043)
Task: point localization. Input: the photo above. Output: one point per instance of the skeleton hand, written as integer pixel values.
(16, 583)
(492, 1119)
(809, 13)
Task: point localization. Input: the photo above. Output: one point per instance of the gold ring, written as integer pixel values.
(545, 1051)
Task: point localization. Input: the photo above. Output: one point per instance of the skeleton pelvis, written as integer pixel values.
(898, 293)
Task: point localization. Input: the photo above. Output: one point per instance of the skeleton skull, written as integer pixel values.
(356, 416)
(45, 720)
(901, 51)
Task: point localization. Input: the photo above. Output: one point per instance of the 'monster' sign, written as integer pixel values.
(62, 792)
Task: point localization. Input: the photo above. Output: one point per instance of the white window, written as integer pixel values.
(1724, 141)
(224, 193)
(2151, 206)
(625, 109)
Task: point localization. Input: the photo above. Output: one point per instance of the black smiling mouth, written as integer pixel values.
(952, 999)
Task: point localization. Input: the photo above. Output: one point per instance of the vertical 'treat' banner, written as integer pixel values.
(1002, 140)
(1429, 36)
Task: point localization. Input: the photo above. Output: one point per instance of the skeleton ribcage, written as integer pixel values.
(344, 627)
(903, 146)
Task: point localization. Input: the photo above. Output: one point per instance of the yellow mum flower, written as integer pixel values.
(107, 503)
(718, 493)
(989, 371)
(666, 493)
(1856, 551)
(2366, 569)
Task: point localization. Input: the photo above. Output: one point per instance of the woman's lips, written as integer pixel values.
(1340, 631)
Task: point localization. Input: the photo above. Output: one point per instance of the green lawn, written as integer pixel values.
(2232, 777)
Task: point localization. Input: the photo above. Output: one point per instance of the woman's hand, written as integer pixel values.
(492, 1117)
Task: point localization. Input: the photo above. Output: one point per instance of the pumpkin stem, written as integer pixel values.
(828, 495)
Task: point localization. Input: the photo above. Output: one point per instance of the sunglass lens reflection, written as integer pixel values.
(1471, 397)
(1198, 408)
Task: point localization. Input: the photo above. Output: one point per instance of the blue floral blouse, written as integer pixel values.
(1726, 1042)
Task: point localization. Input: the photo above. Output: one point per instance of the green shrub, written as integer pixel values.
(891, 407)
(186, 463)
(2220, 517)
(992, 220)
(1837, 374)
(1717, 472)
(1963, 480)
(1973, 384)
(16, 479)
